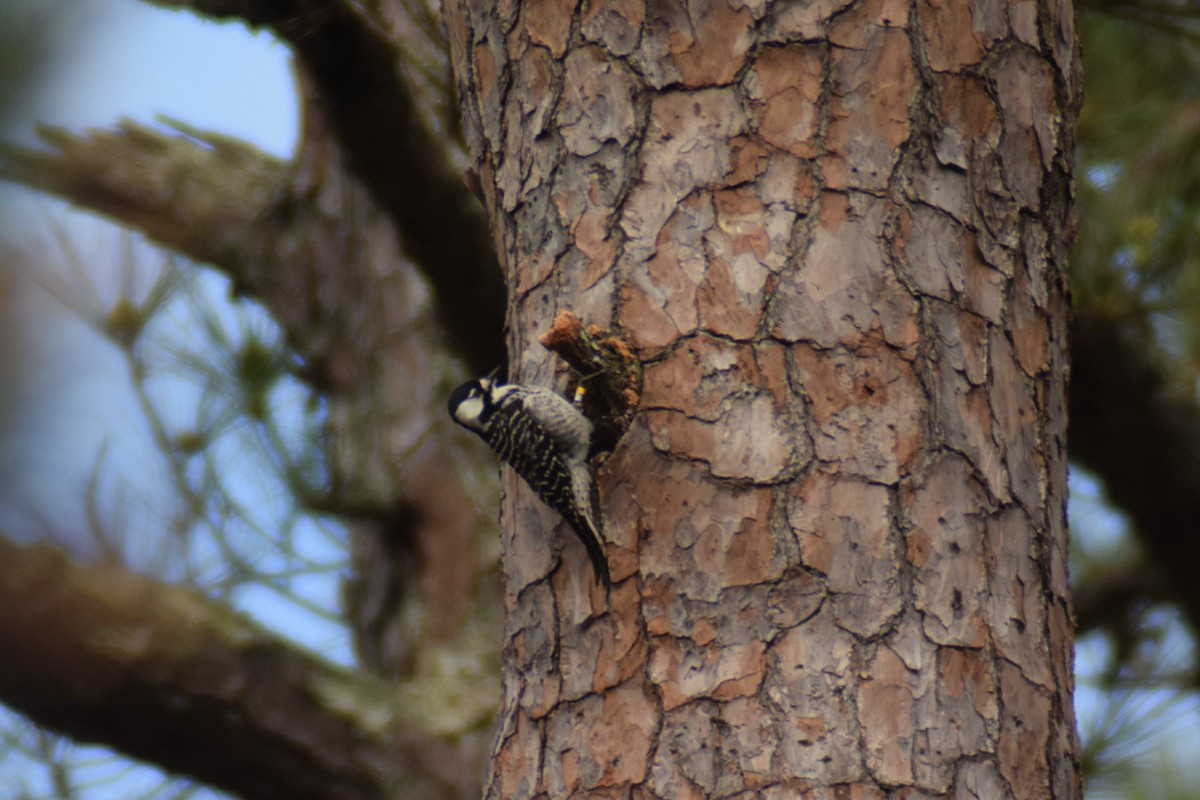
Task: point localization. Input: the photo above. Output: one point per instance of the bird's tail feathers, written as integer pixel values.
(588, 531)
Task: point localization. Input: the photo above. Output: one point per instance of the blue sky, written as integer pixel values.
(130, 59)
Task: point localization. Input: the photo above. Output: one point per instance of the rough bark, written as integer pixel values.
(170, 677)
(837, 236)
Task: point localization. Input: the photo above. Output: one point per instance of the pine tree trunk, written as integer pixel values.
(836, 235)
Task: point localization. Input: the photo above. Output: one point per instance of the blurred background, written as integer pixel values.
(150, 415)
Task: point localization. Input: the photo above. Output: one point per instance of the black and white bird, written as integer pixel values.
(545, 439)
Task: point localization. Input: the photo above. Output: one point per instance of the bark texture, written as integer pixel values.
(837, 234)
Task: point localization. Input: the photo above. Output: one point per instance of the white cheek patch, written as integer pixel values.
(469, 411)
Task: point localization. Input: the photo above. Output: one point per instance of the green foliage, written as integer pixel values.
(1138, 257)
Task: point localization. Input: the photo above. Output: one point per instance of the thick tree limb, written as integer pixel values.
(1143, 442)
(218, 200)
(212, 199)
(390, 146)
(202, 197)
(167, 676)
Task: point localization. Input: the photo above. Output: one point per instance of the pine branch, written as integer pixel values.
(193, 192)
(165, 675)
(392, 147)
